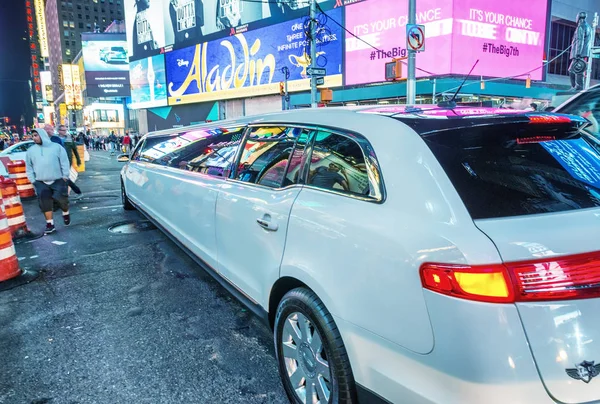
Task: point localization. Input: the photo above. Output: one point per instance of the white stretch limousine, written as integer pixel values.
(401, 254)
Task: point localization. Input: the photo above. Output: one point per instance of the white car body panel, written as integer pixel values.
(561, 334)
(250, 256)
(183, 202)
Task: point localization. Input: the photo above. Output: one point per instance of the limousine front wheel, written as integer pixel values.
(313, 362)
(125, 200)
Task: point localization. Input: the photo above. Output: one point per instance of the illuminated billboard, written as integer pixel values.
(148, 82)
(250, 64)
(40, 17)
(155, 24)
(507, 37)
(106, 66)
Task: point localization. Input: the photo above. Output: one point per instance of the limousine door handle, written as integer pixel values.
(267, 224)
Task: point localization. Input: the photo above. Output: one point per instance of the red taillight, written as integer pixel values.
(573, 277)
(549, 119)
(482, 283)
(535, 139)
(560, 278)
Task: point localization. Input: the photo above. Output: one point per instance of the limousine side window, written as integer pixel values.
(214, 153)
(135, 156)
(154, 148)
(207, 150)
(272, 156)
(338, 163)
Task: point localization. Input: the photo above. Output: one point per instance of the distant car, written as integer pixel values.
(14, 152)
(114, 54)
(586, 104)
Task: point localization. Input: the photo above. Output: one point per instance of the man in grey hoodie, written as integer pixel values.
(48, 171)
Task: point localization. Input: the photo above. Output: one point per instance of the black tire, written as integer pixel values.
(341, 387)
(127, 205)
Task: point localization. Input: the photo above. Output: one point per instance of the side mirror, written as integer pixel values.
(123, 158)
(549, 109)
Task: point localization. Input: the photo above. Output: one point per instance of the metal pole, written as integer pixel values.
(588, 73)
(412, 57)
(286, 99)
(434, 83)
(313, 52)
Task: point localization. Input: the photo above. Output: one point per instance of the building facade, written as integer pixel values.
(188, 67)
(66, 21)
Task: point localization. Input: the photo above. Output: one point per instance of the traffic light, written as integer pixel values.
(393, 69)
(6, 120)
(281, 88)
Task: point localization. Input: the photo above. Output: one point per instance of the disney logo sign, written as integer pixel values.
(181, 62)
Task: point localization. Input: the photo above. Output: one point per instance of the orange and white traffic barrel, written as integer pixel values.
(9, 264)
(13, 208)
(17, 172)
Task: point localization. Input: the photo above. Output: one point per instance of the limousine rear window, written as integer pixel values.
(507, 170)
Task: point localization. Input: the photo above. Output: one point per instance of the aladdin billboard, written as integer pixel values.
(156, 24)
(106, 66)
(507, 37)
(250, 64)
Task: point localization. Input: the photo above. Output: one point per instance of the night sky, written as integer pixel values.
(14, 62)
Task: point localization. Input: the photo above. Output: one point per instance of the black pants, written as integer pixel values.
(55, 192)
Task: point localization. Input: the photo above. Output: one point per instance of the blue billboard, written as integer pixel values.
(251, 63)
(148, 82)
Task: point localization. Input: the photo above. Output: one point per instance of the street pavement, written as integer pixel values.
(124, 318)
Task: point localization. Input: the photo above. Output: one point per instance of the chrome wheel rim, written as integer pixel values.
(305, 359)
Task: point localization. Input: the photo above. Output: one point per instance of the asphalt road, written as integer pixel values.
(124, 318)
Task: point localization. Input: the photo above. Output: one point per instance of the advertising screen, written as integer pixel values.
(148, 82)
(251, 63)
(105, 61)
(154, 24)
(506, 37)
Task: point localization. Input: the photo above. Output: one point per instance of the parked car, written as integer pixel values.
(114, 54)
(400, 254)
(14, 152)
(587, 104)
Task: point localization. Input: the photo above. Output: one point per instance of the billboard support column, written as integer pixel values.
(313, 52)
(412, 57)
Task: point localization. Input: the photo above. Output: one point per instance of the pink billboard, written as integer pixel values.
(506, 36)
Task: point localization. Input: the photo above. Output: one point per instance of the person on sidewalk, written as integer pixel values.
(48, 171)
(126, 143)
(53, 137)
(71, 147)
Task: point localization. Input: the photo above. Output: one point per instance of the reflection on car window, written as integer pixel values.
(514, 170)
(338, 163)
(136, 153)
(205, 150)
(272, 156)
(214, 155)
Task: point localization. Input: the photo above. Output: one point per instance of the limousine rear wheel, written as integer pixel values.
(313, 362)
(127, 205)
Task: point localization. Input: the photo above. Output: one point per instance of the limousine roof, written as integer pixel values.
(422, 118)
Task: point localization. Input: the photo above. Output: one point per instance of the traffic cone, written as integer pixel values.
(17, 172)
(10, 273)
(13, 208)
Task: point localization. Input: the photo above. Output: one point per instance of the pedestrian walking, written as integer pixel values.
(53, 137)
(48, 171)
(126, 143)
(71, 148)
